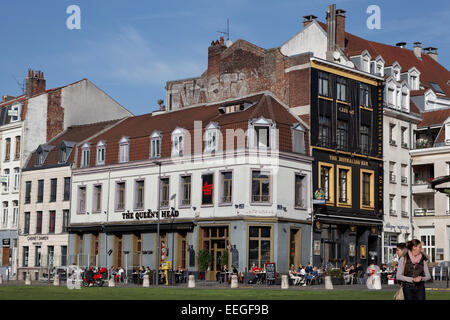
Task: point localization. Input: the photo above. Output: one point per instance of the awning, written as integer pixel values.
(149, 227)
(348, 220)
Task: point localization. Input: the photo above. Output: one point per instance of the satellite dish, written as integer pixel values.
(336, 55)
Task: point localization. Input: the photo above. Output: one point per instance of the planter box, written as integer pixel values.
(337, 281)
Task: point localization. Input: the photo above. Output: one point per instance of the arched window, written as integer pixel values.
(101, 152)
(124, 149)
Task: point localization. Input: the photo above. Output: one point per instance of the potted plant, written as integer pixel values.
(204, 260)
(337, 276)
(224, 260)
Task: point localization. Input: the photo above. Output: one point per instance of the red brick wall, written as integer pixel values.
(299, 87)
(55, 114)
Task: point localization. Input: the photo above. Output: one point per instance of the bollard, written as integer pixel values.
(376, 282)
(28, 279)
(111, 282)
(328, 283)
(234, 281)
(1, 278)
(191, 281)
(284, 282)
(146, 282)
(56, 280)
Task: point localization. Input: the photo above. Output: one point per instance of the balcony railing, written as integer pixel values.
(423, 212)
(405, 214)
(420, 181)
(404, 145)
(393, 213)
(404, 180)
(393, 143)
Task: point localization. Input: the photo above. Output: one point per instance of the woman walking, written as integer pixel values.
(413, 271)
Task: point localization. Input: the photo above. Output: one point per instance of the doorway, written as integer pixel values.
(215, 240)
(294, 247)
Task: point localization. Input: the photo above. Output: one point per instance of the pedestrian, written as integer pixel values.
(413, 271)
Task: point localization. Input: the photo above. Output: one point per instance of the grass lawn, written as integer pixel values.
(62, 293)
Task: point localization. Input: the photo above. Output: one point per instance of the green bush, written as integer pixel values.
(204, 260)
(224, 260)
(336, 273)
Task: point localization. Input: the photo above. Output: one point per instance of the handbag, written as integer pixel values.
(399, 295)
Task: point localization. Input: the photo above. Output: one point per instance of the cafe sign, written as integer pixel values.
(138, 215)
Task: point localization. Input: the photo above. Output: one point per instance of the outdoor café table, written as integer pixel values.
(225, 276)
(135, 277)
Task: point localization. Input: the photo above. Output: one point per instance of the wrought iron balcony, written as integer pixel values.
(423, 212)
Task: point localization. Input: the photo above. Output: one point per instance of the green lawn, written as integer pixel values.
(62, 293)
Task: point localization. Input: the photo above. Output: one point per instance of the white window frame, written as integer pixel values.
(17, 108)
(5, 212)
(211, 138)
(16, 179)
(155, 139)
(101, 150)
(252, 138)
(298, 133)
(5, 187)
(178, 138)
(80, 209)
(85, 155)
(124, 150)
(15, 213)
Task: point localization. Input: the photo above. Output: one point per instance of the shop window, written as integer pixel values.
(259, 246)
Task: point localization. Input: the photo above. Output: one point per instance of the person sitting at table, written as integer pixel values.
(141, 274)
(302, 274)
(256, 273)
(179, 275)
(308, 268)
(312, 275)
(344, 268)
(293, 275)
(162, 276)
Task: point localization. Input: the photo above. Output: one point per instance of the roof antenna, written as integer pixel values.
(21, 85)
(227, 34)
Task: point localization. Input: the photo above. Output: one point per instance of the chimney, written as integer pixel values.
(417, 49)
(400, 44)
(214, 51)
(35, 83)
(307, 19)
(340, 28)
(432, 52)
(331, 32)
(7, 98)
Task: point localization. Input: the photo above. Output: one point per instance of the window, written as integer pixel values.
(26, 227)
(177, 143)
(323, 84)
(7, 149)
(227, 187)
(53, 186)
(392, 211)
(155, 145)
(65, 220)
(427, 237)
(259, 246)
(50, 255)
(364, 95)
(52, 220)
(15, 212)
(262, 137)
(391, 134)
(5, 214)
(341, 89)
(164, 192)
(392, 177)
(298, 137)
(185, 190)
(124, 150)
(16, 179)
(81, 199)
(207, 189)
(404, 137)
(85, 155)
(404, 211)
(404, 174)
(414, 83)
(25, 256)
(37, 256)
(139, 196)
(391, 96)
(342, 134)
(211, 140)
(120, 195)
(97, 203)
(367, 189)
(17, 151)
(345, 185)
(63, 255)
(299, 192)
(436, 87)
(101, 153)
(326, 182)
(27, 192)
(260, 186)
(6, 181)
(365, 139)
(324, 131)
(404, 100)
(39, 222)
(66, 189)
(40, 195)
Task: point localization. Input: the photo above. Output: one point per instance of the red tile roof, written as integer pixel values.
(139, 128)
(75, 134)
(434, 118)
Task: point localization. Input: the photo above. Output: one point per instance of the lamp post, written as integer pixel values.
(158, 163)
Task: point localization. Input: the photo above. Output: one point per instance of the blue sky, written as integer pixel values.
(131, 48)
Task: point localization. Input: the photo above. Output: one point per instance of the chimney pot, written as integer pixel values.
(431, 52)
(35, 83)
(400, 44)
(221, 41)
(417, 49)
(307, 19)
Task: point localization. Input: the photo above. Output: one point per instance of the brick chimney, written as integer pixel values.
(308, 19)
(432, 52)
(35, 83)
(418, 49)
(340, 28)
(214, 52)
(7, 98)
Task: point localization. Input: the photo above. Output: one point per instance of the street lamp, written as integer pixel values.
(158, 163)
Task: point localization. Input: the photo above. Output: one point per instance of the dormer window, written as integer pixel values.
(447, 134)
(13, 112)
(365, 61)
(155, 145)
(298, 139)
(85, 155)
(260, 134)
(405, 98)
(178, 142)
(396, 71)
(39, 158)
(379, 66)
(101, 152)
(41, 154)
(64, 151)
(124, 149)
(211, 138)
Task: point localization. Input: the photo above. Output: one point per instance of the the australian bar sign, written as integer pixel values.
(138, 215)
